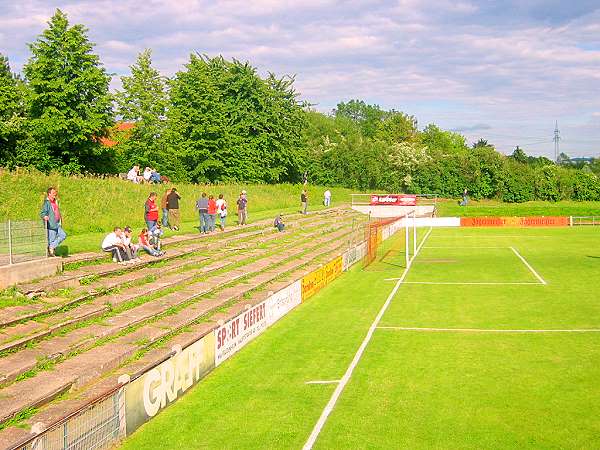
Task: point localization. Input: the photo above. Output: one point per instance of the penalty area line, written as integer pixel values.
(346, 378)
(477, 283)
(488, 330)
(323, 382)
(532, 270)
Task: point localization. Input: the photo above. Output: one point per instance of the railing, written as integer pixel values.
(422, 199)
(584, 220)
(21, 241)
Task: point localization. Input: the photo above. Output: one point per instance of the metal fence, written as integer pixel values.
(585, 220)
(22, 240)
(97, 426)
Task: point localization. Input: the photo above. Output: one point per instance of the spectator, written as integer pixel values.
(221, 211)
(50, 213)
(134, 174)
(154, 236)
(278, 223)
(144, 242)
(202, 207)
(155, 177)
(147, 174)
(163, 206)
(173, 208)
(465, 198)
(304, 201)
(327, 198)
(242, 205)
(130, 248)
(151, 211)
(113, 243)
(212, 212)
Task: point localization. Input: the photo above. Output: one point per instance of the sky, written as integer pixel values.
(504, 70)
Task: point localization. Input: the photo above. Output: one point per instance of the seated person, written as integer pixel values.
(147, 174)
(113, 243)
(134, 174)
(155, 177)
(278, 223)
(144, 242)
(130, 248)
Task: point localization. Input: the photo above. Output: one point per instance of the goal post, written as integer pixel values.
(408, 238)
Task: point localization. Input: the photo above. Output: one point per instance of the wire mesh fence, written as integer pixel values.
(22, 240)
(95, 427)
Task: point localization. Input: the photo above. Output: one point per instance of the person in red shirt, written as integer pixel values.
(151, 211)
(212, 212)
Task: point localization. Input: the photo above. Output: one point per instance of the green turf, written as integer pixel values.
(451, 208)
(419, 389)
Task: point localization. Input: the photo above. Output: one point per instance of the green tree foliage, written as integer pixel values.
(143, 100)
(69, 105)
(226, 123)
(12, 112)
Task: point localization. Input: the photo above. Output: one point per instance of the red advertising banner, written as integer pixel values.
(394, 200)
(534, 221)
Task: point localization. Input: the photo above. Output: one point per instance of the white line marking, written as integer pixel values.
(461, 247)
(486, 330)
(344, 381)
(537, 275)
(493, 236)
(477, 283)
(323, 382)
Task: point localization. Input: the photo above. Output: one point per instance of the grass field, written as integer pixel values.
(499, 349)
(481, 208)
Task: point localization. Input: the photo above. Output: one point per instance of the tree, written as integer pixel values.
(519, 155)
(144, 100)
(12, 112)
(482, 143)
(369, 117)
(70, 106)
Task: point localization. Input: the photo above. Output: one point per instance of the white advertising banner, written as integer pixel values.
(282, 302)
(240, 330)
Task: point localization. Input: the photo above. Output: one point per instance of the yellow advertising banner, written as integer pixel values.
(315, 281)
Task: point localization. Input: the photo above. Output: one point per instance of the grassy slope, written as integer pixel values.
(93, 206)
(411, 389)
(495, 208)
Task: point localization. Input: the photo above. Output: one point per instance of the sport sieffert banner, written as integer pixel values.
(240, 330)
(162, 385)
(550, 221)
(393, 200)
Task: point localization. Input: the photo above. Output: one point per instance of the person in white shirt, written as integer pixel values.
(113, 243)
(147, 174)
(134, 174)
(221, 211)
(130, 248)
(327, 198)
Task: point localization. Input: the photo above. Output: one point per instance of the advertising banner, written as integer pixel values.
(162, 385)
(534, 221)
(315, 281)
(240, 330)
(282, 302)
(393, 200)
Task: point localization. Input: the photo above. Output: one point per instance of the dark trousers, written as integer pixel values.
(117, 252)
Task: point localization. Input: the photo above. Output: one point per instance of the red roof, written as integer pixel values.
(119, 126)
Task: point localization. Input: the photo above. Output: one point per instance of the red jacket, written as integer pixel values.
(212, 206)
(152, 210)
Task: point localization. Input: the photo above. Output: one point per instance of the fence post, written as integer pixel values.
(571, 221)
(10, 256)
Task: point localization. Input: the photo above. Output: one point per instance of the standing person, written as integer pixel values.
(242, 204)
(212, 212)
(50, 213)
(304, 201)
(163, 206)
(221, 211)
(173, 207)
(151, 211)
(202, 207)
(113, 243)
(327, 198)
(465, 198)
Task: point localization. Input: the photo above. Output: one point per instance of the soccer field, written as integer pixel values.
(491, 339)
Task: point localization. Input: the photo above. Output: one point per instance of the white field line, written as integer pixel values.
(346, 378)
(487, 330)
(476, 283)
(535, 274)
(493, 236)
(461, 247)
(323, 382)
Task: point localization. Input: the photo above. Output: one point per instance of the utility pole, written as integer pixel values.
(556, 139)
